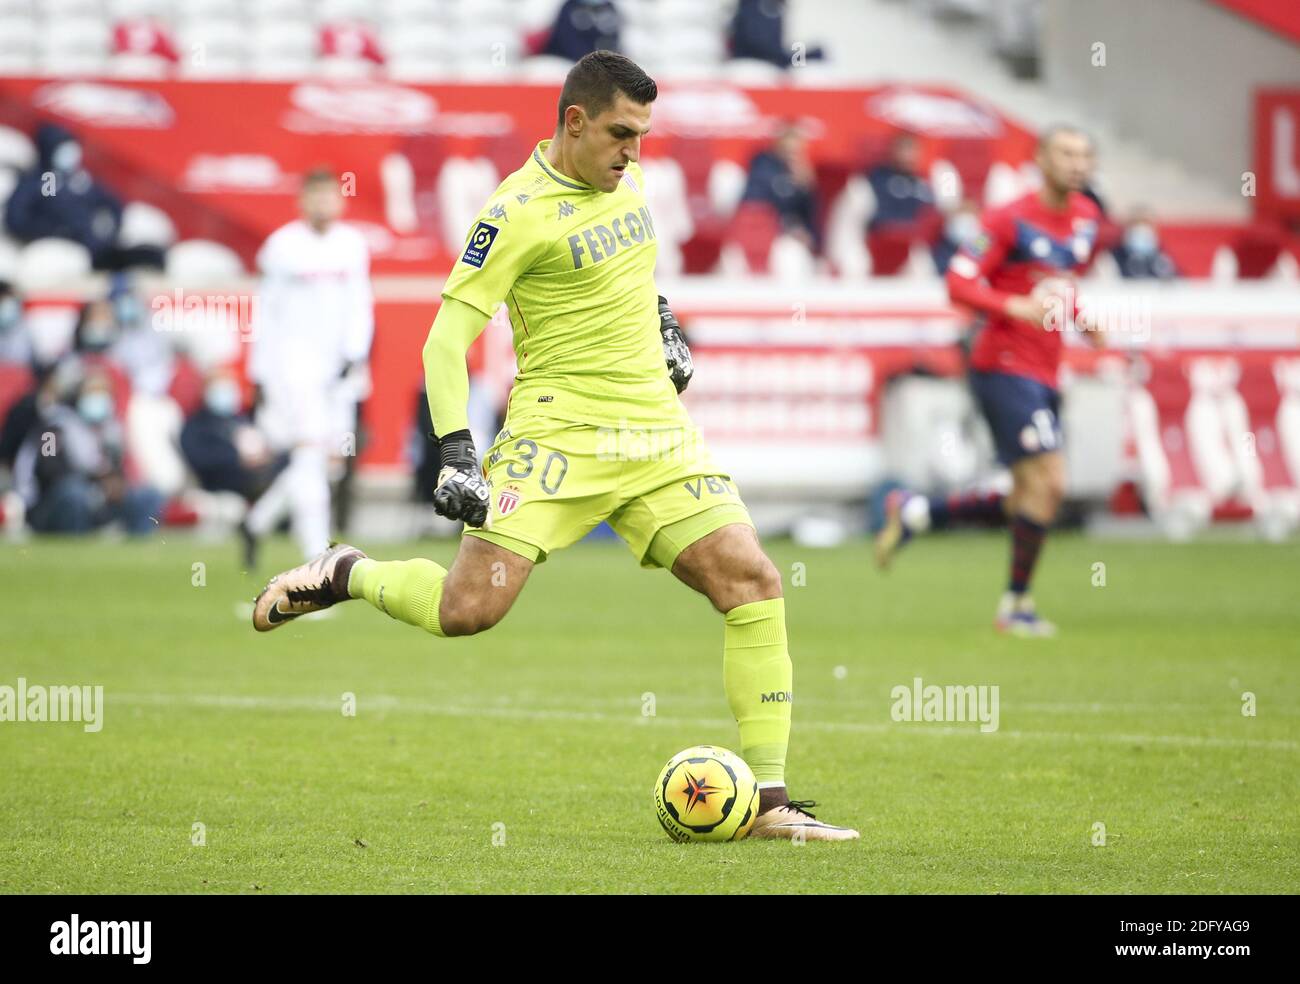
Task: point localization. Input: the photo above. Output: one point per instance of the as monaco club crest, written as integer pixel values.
(507, 500)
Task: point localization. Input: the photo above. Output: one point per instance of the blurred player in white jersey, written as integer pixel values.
(314, 324)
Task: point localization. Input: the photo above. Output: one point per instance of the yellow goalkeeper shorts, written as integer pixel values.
(553, 481)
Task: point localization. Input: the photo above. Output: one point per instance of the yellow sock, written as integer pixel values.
(407, 590)
(758, 677)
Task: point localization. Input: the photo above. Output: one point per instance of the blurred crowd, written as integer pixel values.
(904, 210)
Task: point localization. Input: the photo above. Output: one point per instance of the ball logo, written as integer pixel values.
(480, 241)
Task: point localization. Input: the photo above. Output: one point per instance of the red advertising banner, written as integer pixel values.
(223, 159)
(1277, 152)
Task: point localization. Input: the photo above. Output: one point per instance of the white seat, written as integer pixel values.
(790, 260)
(283, 10)
(146, 225)
(846, 229)
(198, 10)
(72, 63)
(328, 11)
(727, 181)
(271, 66)
(213, 65)
(945, 180)
(198, 261)
(45, 263)
(8, 180)
(201, 39)
(59, 9)
(16, 149)
(464, 184)
(17, 63)
(18, 35)
(130, 66)
(9, 252)
(1004, 184)
(289, 39)
(128, 9)
(76, 34)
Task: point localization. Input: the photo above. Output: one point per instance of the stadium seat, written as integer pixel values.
(846, 225)
(791, 261)
(945, 182)
(462, 187)
(750, 236)
(1171, 488)
(146, 225)
(201, 261)
(15, 382)
(16, 149)
(666, 196)
(726, 184)
(1256, 435)
(47, 263)
(18, 38)
(9, 251)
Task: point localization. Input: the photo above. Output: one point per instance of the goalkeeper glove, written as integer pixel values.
(462, 492)
(676, 354)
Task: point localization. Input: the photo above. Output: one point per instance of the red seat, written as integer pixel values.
(1262, 397)
(16, 382)
(754, 228)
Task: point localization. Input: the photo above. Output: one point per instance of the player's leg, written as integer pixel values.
(1037, 493)
(471, 597)
(1024, 417)
(730, 568)
(694, 523)
(482, 585)
(908, 514)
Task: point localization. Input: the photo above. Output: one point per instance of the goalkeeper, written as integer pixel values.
(594, 430)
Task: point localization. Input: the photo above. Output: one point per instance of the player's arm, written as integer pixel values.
(968, 274)
(462, 491)
(497, 252)
(677, 355)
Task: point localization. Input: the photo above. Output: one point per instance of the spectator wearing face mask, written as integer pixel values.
(1138, 253)
(59, 198)
(71, 470)
(221, 445)
(961, 228)
(15, 343)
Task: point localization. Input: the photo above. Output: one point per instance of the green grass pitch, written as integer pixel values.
(521, 761)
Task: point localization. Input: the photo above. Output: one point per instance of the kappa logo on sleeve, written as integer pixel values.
(480, 241)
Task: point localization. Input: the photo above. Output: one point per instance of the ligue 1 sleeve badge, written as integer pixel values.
(507, 499)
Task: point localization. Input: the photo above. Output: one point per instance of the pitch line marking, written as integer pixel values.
(385, 702)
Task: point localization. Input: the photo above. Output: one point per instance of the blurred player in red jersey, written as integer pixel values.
(1019, 274)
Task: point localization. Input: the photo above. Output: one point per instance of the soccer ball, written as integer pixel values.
(706, 793)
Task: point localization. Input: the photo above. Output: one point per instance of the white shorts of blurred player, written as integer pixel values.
(316, 424)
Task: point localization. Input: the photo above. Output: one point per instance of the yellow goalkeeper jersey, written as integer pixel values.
(575, 268)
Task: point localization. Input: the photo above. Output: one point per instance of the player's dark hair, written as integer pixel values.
(597, 78)
(319, 176)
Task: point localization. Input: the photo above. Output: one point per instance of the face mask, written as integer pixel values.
(97, 335)
(1140, 239)
(222, 398)
(126, 309)
(95, 406)
(962, 229)
(66, 156)
(11, 312)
